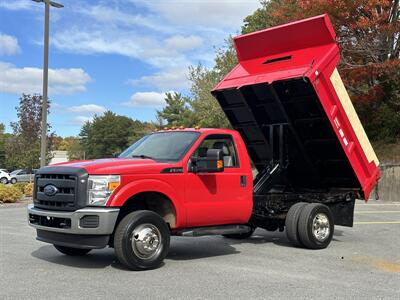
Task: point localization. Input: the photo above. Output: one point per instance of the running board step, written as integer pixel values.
(214, 230)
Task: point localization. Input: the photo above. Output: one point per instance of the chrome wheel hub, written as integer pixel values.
(320, 227)
(146, 241)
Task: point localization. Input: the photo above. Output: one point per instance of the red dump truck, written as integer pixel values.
(292, 120)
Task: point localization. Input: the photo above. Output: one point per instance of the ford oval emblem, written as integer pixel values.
(50, 190)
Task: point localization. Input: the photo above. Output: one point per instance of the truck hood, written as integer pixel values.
(117, 166)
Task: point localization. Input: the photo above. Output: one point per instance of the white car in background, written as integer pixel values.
(4, 177)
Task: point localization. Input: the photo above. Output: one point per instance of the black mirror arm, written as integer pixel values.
(193, 165)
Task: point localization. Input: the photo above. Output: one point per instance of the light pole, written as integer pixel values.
(43, 138)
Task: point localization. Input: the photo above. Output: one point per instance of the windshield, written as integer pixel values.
(168, 146)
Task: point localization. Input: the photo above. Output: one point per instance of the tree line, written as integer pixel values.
(21, 148)
(369, 36)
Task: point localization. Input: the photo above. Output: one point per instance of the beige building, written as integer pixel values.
(58, 157)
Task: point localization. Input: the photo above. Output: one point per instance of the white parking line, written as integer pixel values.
(377, 222)
(379, 204)
(377, 212)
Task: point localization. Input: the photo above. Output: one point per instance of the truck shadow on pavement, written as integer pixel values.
(92, 260)
(181, 249)
(188, 248)
(261, 236)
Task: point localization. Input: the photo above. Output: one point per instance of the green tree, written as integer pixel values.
(206, 109)
(139, 129)
(73, 147)
(23, 147)
(56, 141)
(178, 110)
(109, 134)
(261, 18)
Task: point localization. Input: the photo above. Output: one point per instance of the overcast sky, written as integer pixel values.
(120, 55)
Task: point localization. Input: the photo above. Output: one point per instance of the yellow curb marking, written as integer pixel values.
(379, 263)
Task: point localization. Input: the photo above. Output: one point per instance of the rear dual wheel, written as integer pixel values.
(309, 225)
(292, 219)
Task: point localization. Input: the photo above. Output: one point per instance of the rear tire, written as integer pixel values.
(141, 240)
(316, 226)
(72, 251)
(240, 236)
(291, 223)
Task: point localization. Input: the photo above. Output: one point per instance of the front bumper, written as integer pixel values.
(83, 228)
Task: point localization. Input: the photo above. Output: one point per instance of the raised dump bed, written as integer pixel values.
(287, 100)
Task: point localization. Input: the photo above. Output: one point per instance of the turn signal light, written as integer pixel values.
(113, 186)
(220, 164)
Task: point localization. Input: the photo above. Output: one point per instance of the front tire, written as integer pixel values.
(71, 251)
(13, 180)
(141, 240)
(4, 180)
(316, 226)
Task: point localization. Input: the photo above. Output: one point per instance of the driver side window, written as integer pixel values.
(223, 142)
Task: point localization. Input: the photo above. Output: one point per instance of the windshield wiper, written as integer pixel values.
(142, 156)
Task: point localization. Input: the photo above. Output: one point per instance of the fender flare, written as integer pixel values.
(150, 186)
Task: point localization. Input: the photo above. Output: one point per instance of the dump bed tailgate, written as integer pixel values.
(286, 80)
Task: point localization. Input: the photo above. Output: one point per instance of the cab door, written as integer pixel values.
(217, 198)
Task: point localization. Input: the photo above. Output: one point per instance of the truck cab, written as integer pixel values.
(294, 128)
(189, 177)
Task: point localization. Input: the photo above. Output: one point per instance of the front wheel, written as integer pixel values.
(13, 180)
(141, 240)
(4, 180)
(71, 251)
(316, 226)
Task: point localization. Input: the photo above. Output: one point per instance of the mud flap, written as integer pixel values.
(343, 213)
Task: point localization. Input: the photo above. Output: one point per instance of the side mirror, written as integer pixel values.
(212, 163)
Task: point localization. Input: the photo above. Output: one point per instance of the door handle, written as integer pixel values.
(243, 181)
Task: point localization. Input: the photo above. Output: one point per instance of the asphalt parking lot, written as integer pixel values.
(361, 262)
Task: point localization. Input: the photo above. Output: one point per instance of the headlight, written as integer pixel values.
(101, 187)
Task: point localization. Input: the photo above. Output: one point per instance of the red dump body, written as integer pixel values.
(288, 74)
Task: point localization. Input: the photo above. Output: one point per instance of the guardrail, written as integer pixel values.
(388, 187)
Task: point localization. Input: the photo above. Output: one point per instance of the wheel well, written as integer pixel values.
(153, 201)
